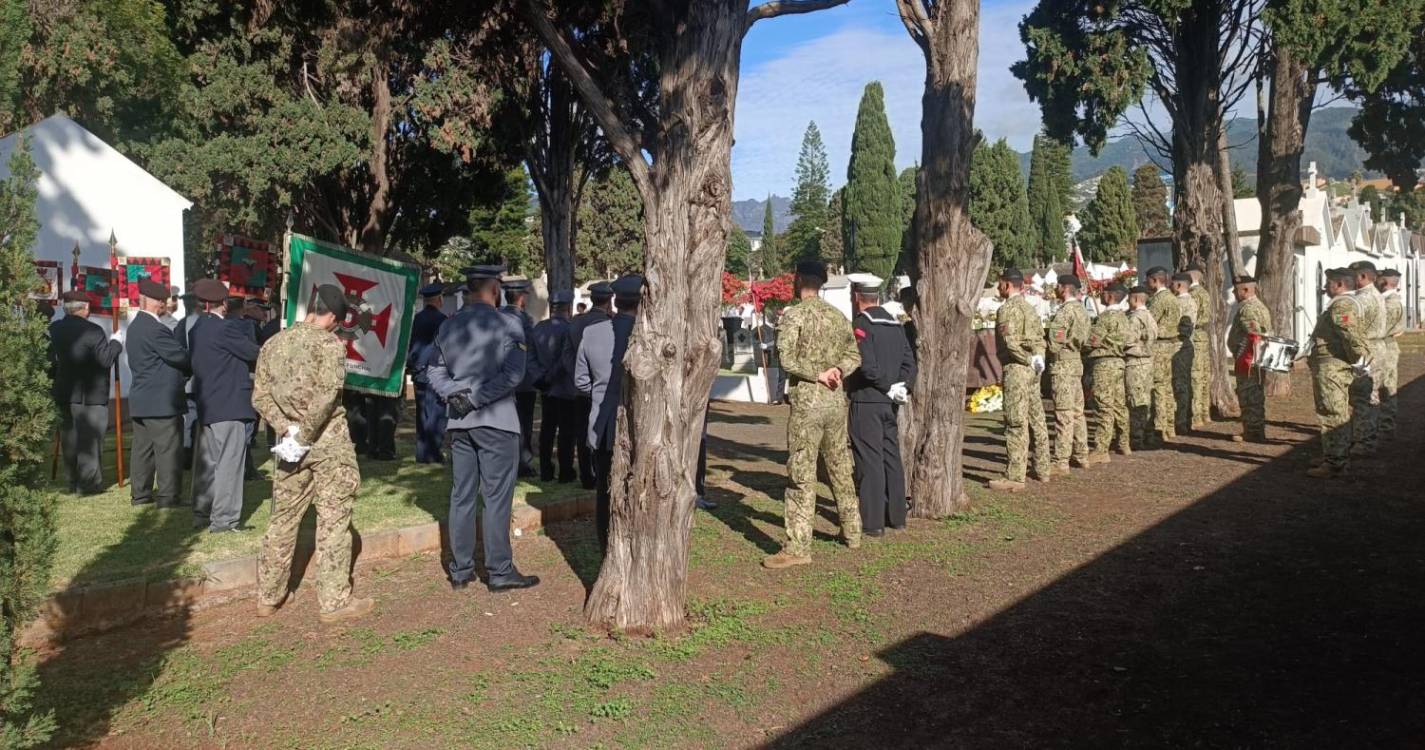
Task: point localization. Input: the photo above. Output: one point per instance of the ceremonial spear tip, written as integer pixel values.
(113, 239)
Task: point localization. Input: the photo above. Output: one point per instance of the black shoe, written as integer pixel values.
(459, 585)
(528, 473)
(705, 504)
(516, 581)
(230, 530)
(877, 534)
(141, 501)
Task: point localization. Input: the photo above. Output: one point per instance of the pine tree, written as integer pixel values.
(871, 227)
(998, 204)
(1046, 206)
(772, 262)
(907, 185)
(1150, 202)
(499, 227)
(26, 421)
(610, 232)
(804, 236)
(1110, 229)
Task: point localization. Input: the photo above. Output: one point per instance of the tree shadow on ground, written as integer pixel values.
(1279, 610)
(578, 542)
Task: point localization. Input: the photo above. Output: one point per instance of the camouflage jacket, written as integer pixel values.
(1252, 317)
(1187, 308)
(1109, 335)
(1168, 313)
(1068, 331)
(1019, 334)
(1142, 333)
(1394, 313)
(814, 337)
(1204, 309)
(1373, 323)
(300, 373)
(1338, 331)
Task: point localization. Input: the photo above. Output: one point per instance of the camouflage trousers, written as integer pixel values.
(1252, 397)
(329, 483)
(813, 432)
(1024, 423)
(1388, 385)
(1165, 406)
(1138, 376)
(1184, 361)
(1365, 405)
(1331, 382)
(1201, 380)
(1110, 416)
(1071, 431)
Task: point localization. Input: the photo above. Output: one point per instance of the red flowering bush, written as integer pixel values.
(734, 290)
(774, 292)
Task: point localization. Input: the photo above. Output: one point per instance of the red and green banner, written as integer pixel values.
(247, 266)
(381, 295)
(97, 283)
(134, 270)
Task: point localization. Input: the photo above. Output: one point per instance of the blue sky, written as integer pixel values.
(813, 67)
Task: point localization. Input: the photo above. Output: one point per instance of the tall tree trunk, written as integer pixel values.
(1279, 191)
(951, 255)
(1233, 241)
(553, 164)
(373, 233)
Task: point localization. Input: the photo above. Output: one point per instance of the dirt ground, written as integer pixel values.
(1207, 595)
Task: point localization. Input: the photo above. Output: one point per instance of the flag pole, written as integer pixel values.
(118, 381)
(282, 272)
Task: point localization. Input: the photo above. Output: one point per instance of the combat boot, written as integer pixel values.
(1124, 449)
(1006, 485)
(1317, 461)
(1096, 458)
(1080, 463)
(268, 610)
(1059, 469)
(353, 609)
(785, 559)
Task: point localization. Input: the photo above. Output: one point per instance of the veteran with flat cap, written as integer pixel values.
(80, 355)
(224, 349)
(479, 360)
(160, 365)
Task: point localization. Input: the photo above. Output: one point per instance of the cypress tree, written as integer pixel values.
(1110, 229)
(1061, 166)
(803, 238)
(772, 261)
(908, 189)
(1150, 202)
(871, 227)
(833, 250)
(1046, 206)
(27, 533)
(999, 206)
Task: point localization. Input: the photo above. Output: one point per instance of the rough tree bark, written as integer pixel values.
(951, 256)
(1283, 138)
(1235, 263)
(673, 355)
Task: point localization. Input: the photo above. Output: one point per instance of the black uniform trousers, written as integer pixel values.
(524, 407)
(557, 423)
(156, 458)
(430, 426)
(582, 406)
(372, 423)
(603, 466)
(880, 477)
(81, 430)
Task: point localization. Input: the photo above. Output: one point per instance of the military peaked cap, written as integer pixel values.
(601, 290)
(433, 290)
(562, 297)
(475, 273)
(629, 286)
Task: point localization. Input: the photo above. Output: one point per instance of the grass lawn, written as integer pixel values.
(104, 538)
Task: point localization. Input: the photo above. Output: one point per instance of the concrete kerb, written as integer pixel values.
(85, 610)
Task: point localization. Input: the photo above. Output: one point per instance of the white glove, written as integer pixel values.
(1037, 363)
(1361, 368)
(899, 393)
(117, 336)
(288, 449)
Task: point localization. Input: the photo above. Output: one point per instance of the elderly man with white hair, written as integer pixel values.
(80, 355)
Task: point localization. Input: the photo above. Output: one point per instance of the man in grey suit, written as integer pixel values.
(598, 373)
(80, 355)
(476, 365)
(160, 365)
(516, 298)
(223, 349)
(601, 294)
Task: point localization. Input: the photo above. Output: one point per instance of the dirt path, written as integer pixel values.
(1210, 595)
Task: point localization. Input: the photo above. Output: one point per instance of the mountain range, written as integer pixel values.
(1327, 143)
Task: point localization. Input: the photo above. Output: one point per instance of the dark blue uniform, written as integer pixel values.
(525, 396)
(557, 417)
(430, 413)
(886, 359)
(582, 405)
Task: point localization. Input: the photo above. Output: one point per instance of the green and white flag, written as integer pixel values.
(381, 295)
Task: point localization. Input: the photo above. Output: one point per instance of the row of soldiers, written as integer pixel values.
(1148, 368)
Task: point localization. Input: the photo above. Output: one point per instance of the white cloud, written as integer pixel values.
(822, 80)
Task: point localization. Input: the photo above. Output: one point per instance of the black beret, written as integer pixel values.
(1390, 273)
(1011, 274)
(432, 290)
(1140, 289)
(1363, 265)
(153, 290)
(74, 295)
(629, 286)
(210, 290)
(1340, 274)
(1116, 289)
(1243, 279)
(334, 299)
(601, 290)
(1194, 266)
(1070, 280)
(1156, 271)
(1183, 276)
(812, 269)
(474, 273)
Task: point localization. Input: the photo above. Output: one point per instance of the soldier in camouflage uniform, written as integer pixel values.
(1068, 336)
(1164, 306)
(1184, 362)
(1107, 341)
(1251, 318)
(818, 350)
(1138, 368)
(1201, 361)
(1365, 399)
(1389, 284)
(298, 384)
(1019, 340)
(1339, 356)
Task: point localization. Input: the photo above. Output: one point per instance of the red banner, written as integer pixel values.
(49, 288)
(97, 283)
(134, 270)
(247, 266)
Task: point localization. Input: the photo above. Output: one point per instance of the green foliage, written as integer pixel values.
(1046, 202)
(1150, 202)
(804, 237)
(1369, 196)
(1242, 184)
(771, 260)
(739, 252)
(1391, 123)
(14, 33)
(26, 424)
(1412, 204)
(500, 228)
(610, 228)
(871, 225)
(833, 245)
(1110, 228)
(998, 204)
(908, 187)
